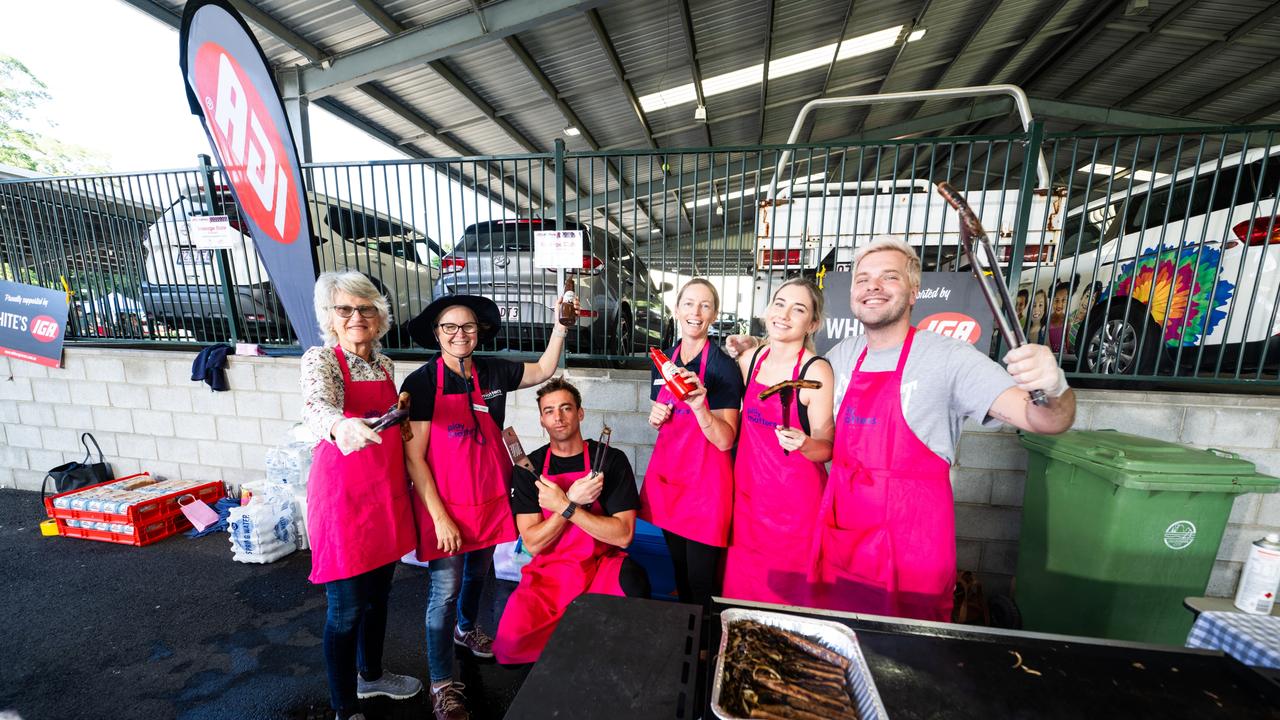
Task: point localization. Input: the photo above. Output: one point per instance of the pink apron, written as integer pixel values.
(886, 540)
(775, 506)
(471, 473)
(688, 487)
(358, 512)
(574, 564)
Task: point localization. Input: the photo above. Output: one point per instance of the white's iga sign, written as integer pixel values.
(949, 303)
(231, 88)
(33, 323)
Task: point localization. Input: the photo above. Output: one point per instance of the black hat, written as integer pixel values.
(423, 328)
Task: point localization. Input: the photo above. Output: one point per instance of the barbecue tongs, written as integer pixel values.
(977, 246)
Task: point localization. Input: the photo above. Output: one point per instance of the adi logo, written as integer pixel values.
(250, 146)
(953, 324)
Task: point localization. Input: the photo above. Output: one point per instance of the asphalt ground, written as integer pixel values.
(177, 629)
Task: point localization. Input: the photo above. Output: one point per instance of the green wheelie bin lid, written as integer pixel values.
(1142, 463)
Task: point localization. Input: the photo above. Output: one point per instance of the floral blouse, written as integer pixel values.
(322, 390)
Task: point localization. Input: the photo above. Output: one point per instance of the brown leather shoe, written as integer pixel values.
(448, 702)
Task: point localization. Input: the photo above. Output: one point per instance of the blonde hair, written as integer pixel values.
(715, 296)
(352, 283)
(885, 242)
(815, 295)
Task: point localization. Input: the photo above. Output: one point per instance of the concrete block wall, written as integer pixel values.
(148, 415)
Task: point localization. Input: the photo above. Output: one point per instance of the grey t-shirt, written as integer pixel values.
(945, 381)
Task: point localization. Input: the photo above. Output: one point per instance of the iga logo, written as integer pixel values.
(44, 328)
(953, 324)
(254, 155)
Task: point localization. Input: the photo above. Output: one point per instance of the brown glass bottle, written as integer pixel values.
(568, 315)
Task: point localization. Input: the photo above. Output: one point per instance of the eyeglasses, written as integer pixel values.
(366, 311)
(453, 328)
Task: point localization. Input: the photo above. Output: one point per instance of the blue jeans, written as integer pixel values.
(454, 597)
(355, 626)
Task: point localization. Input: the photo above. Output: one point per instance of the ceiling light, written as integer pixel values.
(572, 131)
(778, 68)
(916, 35)
(700, 114)
(1119, 172)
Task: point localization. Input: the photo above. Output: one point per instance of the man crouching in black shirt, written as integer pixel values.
(575, 524)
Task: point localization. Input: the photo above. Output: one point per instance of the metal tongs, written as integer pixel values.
(597, 462)
(786, 392)
(977, 247)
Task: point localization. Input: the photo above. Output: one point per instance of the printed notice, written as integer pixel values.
(555, 249)
(212, 232)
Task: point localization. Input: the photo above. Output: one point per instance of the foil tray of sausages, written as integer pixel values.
(828, 636)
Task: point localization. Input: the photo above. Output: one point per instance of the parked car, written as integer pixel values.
(401, 262)
(621, 308)
(727, 324)
(1179, 272)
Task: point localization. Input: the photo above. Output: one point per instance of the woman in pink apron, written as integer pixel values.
(688, 487)
(778, 474)
(889, 495)
(358, 513)
(460, 471)
(574, 522)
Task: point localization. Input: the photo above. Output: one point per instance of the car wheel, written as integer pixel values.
(1125, 343)
(668, 334)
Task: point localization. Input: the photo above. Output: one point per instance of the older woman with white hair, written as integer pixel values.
(359, 516)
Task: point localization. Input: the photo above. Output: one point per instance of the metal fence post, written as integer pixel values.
(228, 300)
(1026, 193)
(560, 200)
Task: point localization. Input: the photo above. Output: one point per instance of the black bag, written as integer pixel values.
(76, 475)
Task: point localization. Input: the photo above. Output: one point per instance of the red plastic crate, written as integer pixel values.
(142, 535)
(142, 514)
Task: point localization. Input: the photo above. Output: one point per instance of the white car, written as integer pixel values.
(1180, 274)
(403, 263)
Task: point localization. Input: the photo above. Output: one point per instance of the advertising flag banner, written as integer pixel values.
(231, 87)
(949, 303)
(33, 323)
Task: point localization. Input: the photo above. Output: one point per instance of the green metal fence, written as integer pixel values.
(1155, 254)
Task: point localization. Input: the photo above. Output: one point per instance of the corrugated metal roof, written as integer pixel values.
(730, 36)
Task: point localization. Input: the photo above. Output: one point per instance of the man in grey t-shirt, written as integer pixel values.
(945, 381)
(886, 529)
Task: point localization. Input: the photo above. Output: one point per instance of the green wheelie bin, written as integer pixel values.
(1117, 529)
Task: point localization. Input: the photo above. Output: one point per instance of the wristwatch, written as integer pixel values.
(570, 510)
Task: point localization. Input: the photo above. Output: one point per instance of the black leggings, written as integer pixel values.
(633, 579)
(697, 568)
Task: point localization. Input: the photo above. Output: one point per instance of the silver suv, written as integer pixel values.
(622, 309)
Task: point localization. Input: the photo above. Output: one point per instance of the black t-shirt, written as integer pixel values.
(497, 378)
(723, 379)
(618, 495)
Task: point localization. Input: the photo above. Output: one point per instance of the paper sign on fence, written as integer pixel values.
(554, 249)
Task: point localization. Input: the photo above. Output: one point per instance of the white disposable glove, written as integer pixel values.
(353, 434)
(1034, 367)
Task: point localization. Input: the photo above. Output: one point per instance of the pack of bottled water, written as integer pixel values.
(289, 463)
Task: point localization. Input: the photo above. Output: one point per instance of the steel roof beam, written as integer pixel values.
(1095, 23)
(548, 88)
(686, 25)
(1236, 33)
(764, 75)
(884, 81)
(1241, 82)
(1134, 43)
(1045, 19)
(611, 54)
(157, 11)
(390, 25)
(280, 31)
(412, 117)
(432, 42)
(1257, 115)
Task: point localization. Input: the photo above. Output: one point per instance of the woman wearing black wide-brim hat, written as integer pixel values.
(460, 471)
